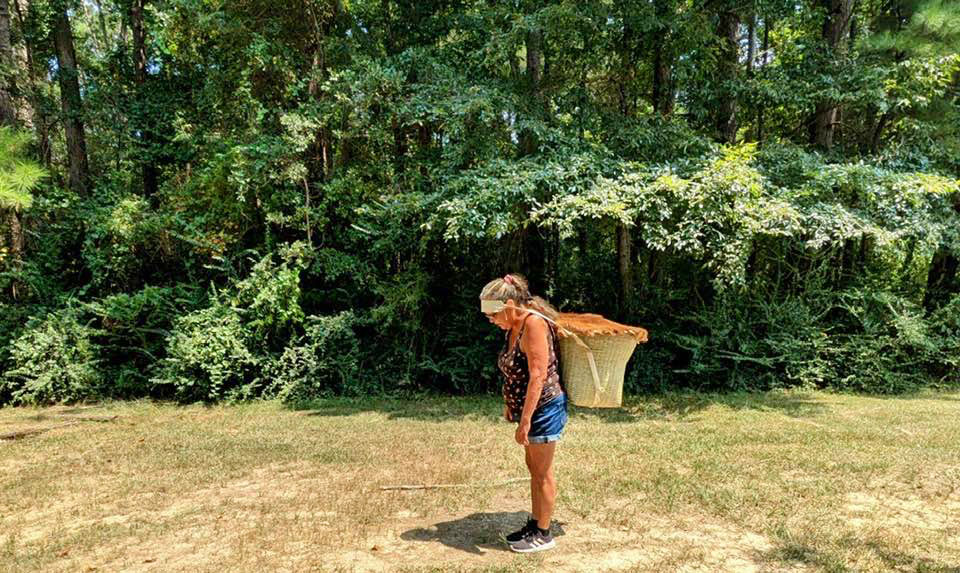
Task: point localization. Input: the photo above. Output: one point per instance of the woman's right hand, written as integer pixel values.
(506, 413)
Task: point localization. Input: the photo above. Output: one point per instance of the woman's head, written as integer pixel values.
(508, 287)
(514, 291)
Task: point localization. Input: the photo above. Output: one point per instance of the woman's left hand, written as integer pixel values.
(522, 430)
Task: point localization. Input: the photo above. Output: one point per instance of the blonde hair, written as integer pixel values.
(515, 286)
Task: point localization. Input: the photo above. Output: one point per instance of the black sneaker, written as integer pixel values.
(534, 541)
(517, 536)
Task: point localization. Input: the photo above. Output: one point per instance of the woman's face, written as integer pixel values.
(503, 318)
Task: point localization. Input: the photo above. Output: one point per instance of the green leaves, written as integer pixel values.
(54, 360)
(18, 175)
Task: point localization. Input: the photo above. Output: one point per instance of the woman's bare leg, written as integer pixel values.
(543, 486)
(534, 489)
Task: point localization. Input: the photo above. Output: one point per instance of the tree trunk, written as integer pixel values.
(876, 135)
(71, 103)
(942, 281)
(8, 112)
(624, 260)
(662, 64)
(766, 47)
(102, 21)
(627, 72)
(16, 248)
(148, 167)
(320, 154)
(727, 109)
(836, 26)
(424, 143)
(8, 118)
(38, 118)
(399, 143)
(662, 83)
(534, 43)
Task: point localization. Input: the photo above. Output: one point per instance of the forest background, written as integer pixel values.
(210, 200)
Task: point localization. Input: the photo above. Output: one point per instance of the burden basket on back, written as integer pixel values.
(599, 385)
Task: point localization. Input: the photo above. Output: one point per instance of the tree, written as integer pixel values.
(70, 100)
(144, 126)
(836, 27)
(8, 115)
(728, 32)
(663, 88)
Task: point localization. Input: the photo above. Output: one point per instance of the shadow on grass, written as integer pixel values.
(476, 533)
(795, 551)
(425, 407)
(900, 561)
(681, 406)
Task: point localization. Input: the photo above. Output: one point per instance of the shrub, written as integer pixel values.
(125, 241)
(133, 332)
(208, 357)
(268, 299)
(944, 361)
(884, 345)
(860, 339)
(322, 362)
(53, 360)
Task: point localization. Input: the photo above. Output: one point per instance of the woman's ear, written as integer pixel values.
(510, 311)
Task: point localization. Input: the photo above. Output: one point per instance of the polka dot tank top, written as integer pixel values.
(516, 373)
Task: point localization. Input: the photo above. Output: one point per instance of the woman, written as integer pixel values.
(533, 394)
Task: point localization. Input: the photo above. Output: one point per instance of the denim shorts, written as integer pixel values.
(548, 421)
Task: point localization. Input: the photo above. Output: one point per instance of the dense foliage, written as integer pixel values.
(228, 200)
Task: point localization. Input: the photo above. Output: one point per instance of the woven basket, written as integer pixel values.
(611, 344)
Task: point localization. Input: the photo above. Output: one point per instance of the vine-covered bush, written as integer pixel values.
(324, 361)
(208, 357)
(125, 241)
(132, 332)
(219, 352)
(54, 360)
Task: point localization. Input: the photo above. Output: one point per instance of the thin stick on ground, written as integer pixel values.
(31, 431)
(16, 435)
(88, 418)
(453, 485)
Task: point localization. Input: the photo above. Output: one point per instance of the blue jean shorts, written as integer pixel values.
(548, 421)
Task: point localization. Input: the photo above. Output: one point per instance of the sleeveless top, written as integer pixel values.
(516, 372)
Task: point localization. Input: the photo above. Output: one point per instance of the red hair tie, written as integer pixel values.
(509, 280)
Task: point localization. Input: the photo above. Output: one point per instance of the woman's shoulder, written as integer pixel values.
(535, 326)
(536, 320)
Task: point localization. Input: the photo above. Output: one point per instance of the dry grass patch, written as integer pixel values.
(772, 482)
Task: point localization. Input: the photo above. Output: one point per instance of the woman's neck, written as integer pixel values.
(519, 314)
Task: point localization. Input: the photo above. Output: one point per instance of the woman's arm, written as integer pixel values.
(534, 345)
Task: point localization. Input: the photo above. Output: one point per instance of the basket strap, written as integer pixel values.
(593, 363)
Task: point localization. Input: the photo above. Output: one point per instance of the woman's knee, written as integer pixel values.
(542, 478)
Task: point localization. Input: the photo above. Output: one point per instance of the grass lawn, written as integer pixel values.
(737, 482)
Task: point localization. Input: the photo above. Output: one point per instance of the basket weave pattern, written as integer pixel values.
(611, 353)
(611, 343)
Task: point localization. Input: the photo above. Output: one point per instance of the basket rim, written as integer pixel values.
(590, 324)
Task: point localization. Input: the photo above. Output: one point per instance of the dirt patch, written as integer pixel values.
(275, 517)
(473, 540)
(903, 510)
(268, 486)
